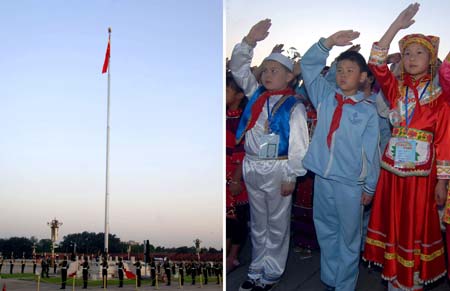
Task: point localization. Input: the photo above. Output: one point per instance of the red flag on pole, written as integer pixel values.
(106, 63)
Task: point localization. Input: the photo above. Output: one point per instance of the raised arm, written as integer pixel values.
(403, 21)
(241, 58)
(314, 61)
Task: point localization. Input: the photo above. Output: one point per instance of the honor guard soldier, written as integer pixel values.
(218, 269)
(11, 265)
(64, 266)
(34, 265)
(174, 268)
(85, 266)
(22, 262)
(167, 271)
(138, 272)
(193, 270)
(120, 271)
(209, 269)
(153, 271)
(43, 267)
(181, 272)
(56, 264)
(104, 272)
(205, 272)
(47, 270)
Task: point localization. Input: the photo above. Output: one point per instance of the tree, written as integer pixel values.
(16, 245)
(44, 246)
(90, 243)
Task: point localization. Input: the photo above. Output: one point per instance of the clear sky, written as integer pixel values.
(166, 157)
(301, 23)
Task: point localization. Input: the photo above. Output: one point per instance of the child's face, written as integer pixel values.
(349, 77)
(275, 76)
(416, 60)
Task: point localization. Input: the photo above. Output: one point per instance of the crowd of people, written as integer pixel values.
(379, 153)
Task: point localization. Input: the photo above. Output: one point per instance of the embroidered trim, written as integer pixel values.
(374, 242)
(443, 169)
(413, 133)
(432, 256)
(378, 55)
(398, 172)
(417, 252)
(410, 263)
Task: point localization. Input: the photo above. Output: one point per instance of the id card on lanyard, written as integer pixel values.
(405, 148)
(268, 148)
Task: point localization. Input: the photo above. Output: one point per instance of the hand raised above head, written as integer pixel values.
(354, 48)
(405, 18)
(394, 58)
(278, 48)
(341, 38)
(259, 31)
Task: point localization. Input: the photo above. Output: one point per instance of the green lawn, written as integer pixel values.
(112, 282)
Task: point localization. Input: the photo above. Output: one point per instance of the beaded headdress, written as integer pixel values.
(430, 42)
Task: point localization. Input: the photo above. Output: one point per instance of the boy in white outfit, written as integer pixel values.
(276, 140)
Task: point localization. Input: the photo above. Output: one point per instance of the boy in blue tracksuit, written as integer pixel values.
(344, 154)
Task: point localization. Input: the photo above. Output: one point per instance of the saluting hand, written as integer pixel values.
(258, 32)
(341, 38)
(278, 48)
(405, 18)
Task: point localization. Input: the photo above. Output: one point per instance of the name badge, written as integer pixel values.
(269, 146)
(405, 153)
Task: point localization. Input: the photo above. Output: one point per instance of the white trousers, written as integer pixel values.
(269, 219)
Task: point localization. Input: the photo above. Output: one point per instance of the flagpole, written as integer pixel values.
(107, 152)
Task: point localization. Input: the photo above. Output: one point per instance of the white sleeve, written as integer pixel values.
(298, 144)
(240, 66)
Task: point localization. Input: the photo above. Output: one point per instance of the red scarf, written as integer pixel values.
(336, 120)
(408, 82)
(259, 103)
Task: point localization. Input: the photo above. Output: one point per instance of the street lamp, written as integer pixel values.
(197, 242)
(54, 226)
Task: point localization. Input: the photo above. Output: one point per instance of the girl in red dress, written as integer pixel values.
(236, 194)
(404, 231)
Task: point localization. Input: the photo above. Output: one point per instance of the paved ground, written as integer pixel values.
(22, 285)
(304, 275)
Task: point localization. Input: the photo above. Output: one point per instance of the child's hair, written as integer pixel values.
(230, 82)
(354, 57)
(370, 74)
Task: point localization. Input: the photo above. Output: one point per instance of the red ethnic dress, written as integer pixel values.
(234, 156)
(404, 233)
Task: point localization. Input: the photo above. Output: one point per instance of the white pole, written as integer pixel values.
(107, 153)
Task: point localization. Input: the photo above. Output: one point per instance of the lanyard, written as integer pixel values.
(269, 116)
(408, 120)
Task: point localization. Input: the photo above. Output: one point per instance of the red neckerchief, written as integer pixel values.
(259, 103)
(413, 84)
(336, 120)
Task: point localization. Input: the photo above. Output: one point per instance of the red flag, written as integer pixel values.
(106, 63)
